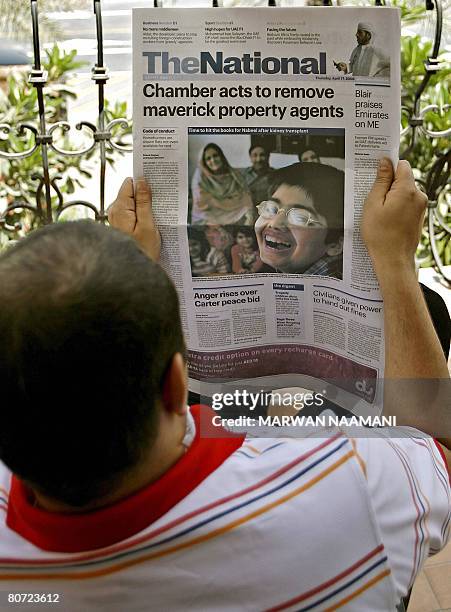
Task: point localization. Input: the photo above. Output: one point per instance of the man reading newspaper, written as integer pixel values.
(111, 496)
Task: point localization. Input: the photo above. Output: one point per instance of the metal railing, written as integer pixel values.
(103, 138)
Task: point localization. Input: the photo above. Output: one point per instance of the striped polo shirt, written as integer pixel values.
(241, 524)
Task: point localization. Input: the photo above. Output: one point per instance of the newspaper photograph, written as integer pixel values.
(259, 131)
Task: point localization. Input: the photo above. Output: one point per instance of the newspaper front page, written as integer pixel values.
(259, 131)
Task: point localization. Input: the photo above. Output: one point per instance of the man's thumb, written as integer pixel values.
(383, 180)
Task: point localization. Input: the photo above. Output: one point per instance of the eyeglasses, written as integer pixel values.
(298, 217)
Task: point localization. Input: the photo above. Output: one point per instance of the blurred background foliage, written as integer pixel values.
(415, 50)
(19, 179)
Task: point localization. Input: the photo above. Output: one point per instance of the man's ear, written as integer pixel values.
(335, 248)
(175, 386)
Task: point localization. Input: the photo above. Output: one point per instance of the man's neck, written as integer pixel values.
(167, 449)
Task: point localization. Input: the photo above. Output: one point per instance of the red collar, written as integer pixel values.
(60, 532)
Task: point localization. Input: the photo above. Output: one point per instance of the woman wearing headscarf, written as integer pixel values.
(220, 195)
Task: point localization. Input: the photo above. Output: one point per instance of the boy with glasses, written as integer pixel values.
(300, 227)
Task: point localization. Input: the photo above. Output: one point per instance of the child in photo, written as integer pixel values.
(245, 253)
(205, 260)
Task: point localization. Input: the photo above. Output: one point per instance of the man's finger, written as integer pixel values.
(404, 174)
(383, 181)
(405, 180)
(126, 190)
(124, 204)
(142, 196)
(124, 200)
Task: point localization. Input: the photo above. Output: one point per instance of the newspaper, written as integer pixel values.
(259, 131)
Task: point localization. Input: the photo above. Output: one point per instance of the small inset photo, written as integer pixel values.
(366, 59)
(217, 250)
(267, 203)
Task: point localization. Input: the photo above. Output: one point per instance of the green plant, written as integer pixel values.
(18, 106)
(414, 53)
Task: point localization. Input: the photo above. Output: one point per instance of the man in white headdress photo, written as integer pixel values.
(366, 59)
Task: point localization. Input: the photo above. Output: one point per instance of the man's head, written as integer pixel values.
(89, 328)
(303, 219)
(198, 245)
(259, 158)
(309, 156)
(364, 33)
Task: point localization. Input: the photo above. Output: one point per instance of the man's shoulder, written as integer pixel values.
(247, 173)
(287, 443)
(246, 170)
(269, 455)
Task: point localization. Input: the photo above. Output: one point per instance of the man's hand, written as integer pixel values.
(392, 219)
(131, 212)
(416, 383)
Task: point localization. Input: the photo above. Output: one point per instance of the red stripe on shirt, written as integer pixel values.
(179, 520)
(328, 583)
(61, 532)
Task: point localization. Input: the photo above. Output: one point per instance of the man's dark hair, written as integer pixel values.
(324, 184)
(88, 327)
(258, 145)
(196, 233)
